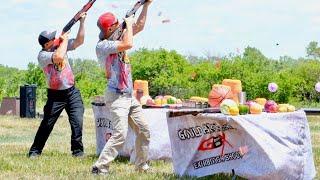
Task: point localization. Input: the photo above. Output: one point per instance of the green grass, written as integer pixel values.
(56, 162)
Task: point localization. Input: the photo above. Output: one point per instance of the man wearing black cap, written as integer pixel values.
(61, 92)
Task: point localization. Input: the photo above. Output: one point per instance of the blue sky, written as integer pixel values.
(198, 28)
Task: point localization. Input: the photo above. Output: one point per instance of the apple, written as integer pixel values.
(250, 103)
(271, 106)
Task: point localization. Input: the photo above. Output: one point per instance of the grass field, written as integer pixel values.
(56, 162)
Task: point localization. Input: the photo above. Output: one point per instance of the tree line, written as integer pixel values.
(169, 72)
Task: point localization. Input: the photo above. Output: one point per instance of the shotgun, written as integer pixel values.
(75, 18)
(118, 33)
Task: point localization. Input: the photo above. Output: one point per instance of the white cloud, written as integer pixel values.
(20, 1)
(59, 4)
(316, 20)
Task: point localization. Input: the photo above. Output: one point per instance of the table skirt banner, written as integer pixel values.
(104, 128)
(265, 146)
(159, 147)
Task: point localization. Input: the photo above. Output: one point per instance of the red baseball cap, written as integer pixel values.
(105, 21)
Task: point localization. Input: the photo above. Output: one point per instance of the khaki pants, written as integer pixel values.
(125, 110)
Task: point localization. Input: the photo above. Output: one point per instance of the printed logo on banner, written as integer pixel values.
(217, 139)
(217, 142)
(108, 136)
(221, 158)
(217, 159)
(214, 142)
(198, 131)
(104, 122)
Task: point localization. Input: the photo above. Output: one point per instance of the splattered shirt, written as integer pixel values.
(117, 68)
(59, 76)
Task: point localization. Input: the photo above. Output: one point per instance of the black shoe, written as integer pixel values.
(33, 155)
(78, 154)
(96, 171)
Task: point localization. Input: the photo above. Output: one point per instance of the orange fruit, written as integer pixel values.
(261, 101)
(255, 108)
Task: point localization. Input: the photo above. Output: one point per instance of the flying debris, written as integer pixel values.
(114, 6)
(166, 21)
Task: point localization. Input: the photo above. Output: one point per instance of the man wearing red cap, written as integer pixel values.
(125, 109)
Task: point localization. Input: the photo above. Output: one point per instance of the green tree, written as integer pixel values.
(313, 50)
(89, 78)
(164, 70)
(34, 75)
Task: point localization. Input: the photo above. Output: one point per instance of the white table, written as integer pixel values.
(265, 146)
(159, 147)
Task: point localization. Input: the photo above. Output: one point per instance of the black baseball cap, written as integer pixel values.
(46, 36)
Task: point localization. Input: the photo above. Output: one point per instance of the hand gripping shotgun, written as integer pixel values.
(75, 18)
(118, 33)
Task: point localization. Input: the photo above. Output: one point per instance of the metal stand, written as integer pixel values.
(234, 177)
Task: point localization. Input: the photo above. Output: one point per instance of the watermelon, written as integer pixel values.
(228, 105)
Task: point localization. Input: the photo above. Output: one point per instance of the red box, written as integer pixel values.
(10, 106)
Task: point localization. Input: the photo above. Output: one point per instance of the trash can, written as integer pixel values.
(28, 101)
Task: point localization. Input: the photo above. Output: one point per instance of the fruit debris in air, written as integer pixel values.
(114, 6)
(166, 21)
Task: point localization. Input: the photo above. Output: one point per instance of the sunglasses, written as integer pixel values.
(116, 22)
